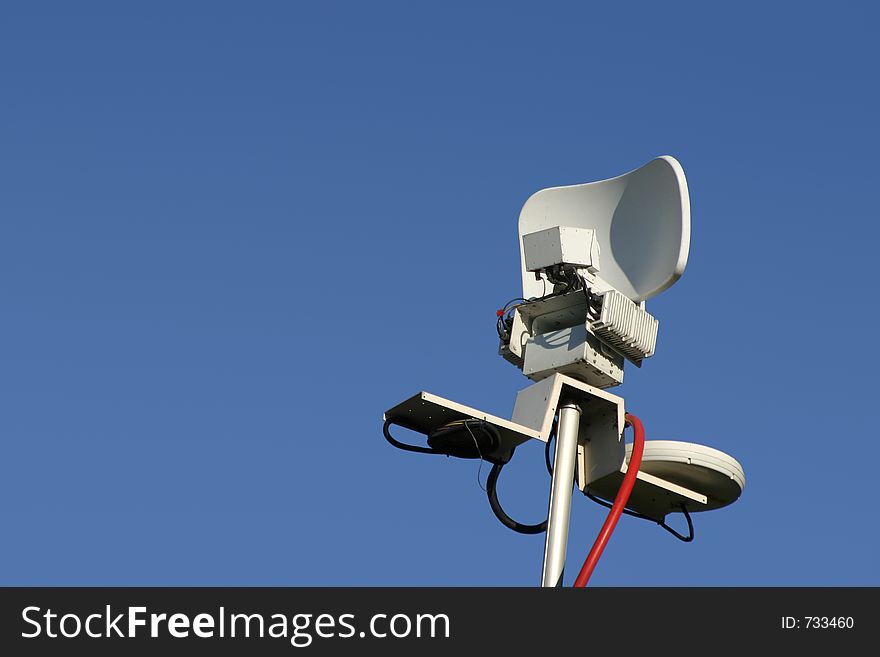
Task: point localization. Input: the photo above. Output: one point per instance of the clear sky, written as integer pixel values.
(233, 234)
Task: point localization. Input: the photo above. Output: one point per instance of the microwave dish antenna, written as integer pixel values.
(591, 256)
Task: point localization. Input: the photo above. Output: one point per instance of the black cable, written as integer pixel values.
(547, 459)
(690, 536)
(404, 446)
(502, 323)
(492, 492)
(507, 305)
(608, 505)
(506, 520)
(491, 482)
(547, 455)
(662, 523)
(587, 294)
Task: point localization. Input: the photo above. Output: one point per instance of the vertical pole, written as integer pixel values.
(560, 494)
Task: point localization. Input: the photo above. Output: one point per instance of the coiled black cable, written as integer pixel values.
(506, 520)
(491, 482)
(404, 446)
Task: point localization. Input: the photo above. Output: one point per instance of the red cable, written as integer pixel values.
(629, 480)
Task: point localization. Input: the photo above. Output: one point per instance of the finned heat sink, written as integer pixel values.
(624, 326)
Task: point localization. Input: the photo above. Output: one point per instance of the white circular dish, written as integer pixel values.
(701, 469)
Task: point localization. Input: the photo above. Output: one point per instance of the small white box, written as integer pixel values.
(561, 245)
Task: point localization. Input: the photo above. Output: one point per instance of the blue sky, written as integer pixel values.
(233, 234)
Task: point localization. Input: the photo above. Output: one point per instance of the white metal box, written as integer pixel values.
(575, 352)
(561, 245)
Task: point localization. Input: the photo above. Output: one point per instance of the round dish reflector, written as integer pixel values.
(642, 221)
(702, 469)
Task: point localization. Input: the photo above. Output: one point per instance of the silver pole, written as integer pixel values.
(560, 494)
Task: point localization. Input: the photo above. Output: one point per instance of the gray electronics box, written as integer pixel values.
(573, 351)
(561, 245)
